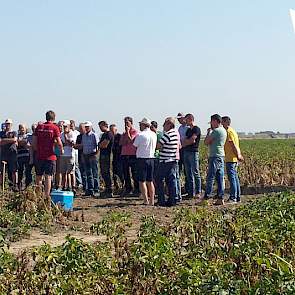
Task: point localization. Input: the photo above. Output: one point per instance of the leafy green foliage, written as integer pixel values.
(244, 250)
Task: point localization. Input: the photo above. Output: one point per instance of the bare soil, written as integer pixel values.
(88, 211)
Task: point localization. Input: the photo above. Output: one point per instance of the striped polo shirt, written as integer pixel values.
(169, 142)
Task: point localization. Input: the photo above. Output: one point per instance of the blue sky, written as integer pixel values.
(103, 60)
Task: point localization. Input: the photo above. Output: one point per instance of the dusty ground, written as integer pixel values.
(88, 211)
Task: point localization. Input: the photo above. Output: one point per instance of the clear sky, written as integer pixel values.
(102, 60)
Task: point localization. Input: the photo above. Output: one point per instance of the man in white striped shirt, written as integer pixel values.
(168, 145)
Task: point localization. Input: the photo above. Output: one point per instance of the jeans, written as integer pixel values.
(129, 162)
(233, 178)
(168, 172)
(91, 166)
(178, 184)
(192, 171)
(181, 169)
(117, 170)
(105, 170)
(82, 169)
(215, 171)
(77, 171)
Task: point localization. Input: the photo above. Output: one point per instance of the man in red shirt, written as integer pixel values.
(46, 136)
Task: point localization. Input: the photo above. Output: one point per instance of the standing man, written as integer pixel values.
(8, 142)
(44, 139)
(182, 133)
(215, 139)
(168, 146)
(190, 148)
(23, 157)
(232, 157)
(67, 160)
(105, 146)
(90, 152)
(128, 156)
(146, 143)
(81, 160)
(117, 161)
(77, 175)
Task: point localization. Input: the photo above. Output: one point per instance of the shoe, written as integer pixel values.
(219, 202)
(232, 201)
(136, 192)
(107, 194)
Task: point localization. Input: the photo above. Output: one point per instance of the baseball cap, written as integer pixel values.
(180, 115)
(145, 121)
(8, 121)
(66, 122)
(88, 124)
(170, 119)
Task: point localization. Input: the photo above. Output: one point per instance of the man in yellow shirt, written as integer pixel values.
(232, 157)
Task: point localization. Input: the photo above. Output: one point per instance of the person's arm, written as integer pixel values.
(60, 145)
(236, 150)
(209, 138)
(164, 139)
(189, 141)
(35, 143)
(5, 141)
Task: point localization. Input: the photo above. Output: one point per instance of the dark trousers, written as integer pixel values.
(129, 163)
(105, 170)
(117, 170)
(24, 167)
(168, 172)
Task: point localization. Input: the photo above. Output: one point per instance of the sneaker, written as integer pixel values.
(219, 202)
(232, 201)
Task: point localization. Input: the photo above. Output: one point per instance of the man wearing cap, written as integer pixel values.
(168, 145)
(90, 152)
(215, 139)
(8, 142)
(23, 156)
(67, 160)
(145, 144)
(128, 156)
(182, 133)
(232, 157)
(45, 137)
(81, 160)
(190, 148)
(105, 147)
(77, 174)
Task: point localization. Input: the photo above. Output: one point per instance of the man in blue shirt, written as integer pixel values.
(90, 152)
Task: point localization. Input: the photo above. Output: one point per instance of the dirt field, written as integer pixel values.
(88, 211)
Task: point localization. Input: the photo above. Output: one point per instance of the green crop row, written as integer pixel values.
(240, 250)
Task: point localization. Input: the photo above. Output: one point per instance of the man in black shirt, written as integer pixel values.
(191, 157)
(105, 145)
(117, 161)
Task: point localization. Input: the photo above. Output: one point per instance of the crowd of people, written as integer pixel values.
(145, 162)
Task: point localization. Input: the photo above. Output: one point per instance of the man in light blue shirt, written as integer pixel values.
(90, 150)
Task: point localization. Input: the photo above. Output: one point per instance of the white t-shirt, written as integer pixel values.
(68, 150)
(146, 142)
(75, 133)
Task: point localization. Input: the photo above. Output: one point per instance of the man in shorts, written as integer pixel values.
(67, 160)
(145, 144)
(44, 139)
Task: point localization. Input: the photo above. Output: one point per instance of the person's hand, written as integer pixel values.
(127, 129)
(62, 151)
(240, 158)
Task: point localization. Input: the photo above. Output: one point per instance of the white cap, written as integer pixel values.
(88, 124)
(66, 122)
(145, 121)
(8, 121)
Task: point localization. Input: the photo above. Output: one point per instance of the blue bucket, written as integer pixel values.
(63, 198)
